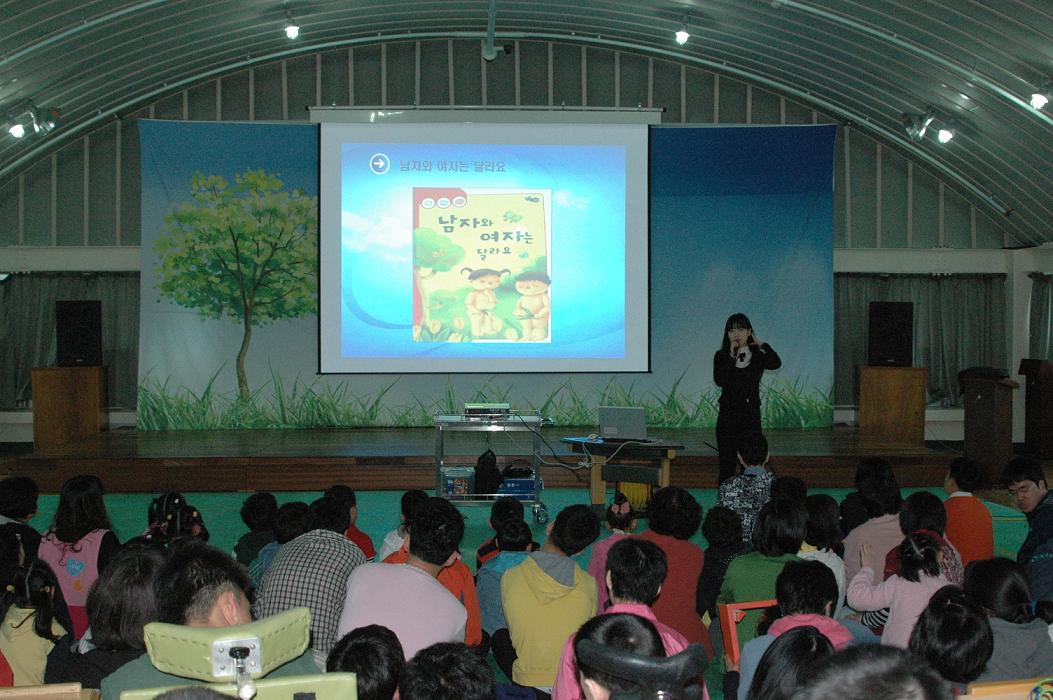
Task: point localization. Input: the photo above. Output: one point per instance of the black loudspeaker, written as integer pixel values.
(78, 333)
(891, 334)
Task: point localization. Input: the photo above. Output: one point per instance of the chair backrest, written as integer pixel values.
(731, 615)
(51, 691)
(323, 686)
(1011, 690)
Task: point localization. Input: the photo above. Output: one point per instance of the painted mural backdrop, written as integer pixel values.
(740, 222)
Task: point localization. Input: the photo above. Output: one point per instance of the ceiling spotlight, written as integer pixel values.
(945, 134)
(1040, 97)
(682, 36)
(917, 125)
(292, 30)
(17, 130)
(25, 116)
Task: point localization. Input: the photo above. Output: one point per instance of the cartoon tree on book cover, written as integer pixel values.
(480, 265)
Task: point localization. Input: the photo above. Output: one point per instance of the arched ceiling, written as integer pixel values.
(866, 62)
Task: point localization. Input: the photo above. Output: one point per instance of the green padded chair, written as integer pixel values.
(231, 659)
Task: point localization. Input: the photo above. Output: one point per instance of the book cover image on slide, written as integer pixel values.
(481, 265)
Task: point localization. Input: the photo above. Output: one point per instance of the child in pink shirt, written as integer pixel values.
(621, 521)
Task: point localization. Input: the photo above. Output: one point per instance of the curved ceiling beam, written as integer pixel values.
(965, 72)
(859, 120)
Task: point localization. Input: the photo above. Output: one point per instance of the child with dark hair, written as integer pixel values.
(635, 571)
(407, 598)
(806, 593)
(447, 671)
(788, 664)
(18, 503)
(513, 542)
(120, 604)
(1026, 482)
(346, 496)
(781, 527)
(969, 525)
(748, 491)
(953, 635)
(791, 487)
(673, 517)
(822, 541)
(79, 544)
(722, 529)
(374, 655)
(503, 510)
(407, 505)
(905, 594)
(548, 596)
(1022, 648)
(29, 631)
(856, 508)
(258, 512)
(880, 493)
(293, 520)
(618, 631)
(875, 673)
(621, 521)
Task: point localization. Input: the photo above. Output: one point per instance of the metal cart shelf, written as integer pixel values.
(514, 421)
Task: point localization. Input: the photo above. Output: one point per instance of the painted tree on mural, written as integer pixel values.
(247, 252)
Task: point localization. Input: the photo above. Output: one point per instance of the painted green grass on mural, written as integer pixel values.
(318, 404)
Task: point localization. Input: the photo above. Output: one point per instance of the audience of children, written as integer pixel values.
(822, 541)
(673, 517)
(532, 604)
(513, 539)
(345, 495)
(722, 529)
(1022, 648)
(621, 521)
(79, 544)
(28, 630)
(548, 596)
(635, 572)
(746, 492)
(905, 594)
(259, 512)
(954, 636)
(373, 653)
(969, 525)
(393, 540)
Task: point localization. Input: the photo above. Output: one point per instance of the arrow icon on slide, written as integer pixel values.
(379, 163)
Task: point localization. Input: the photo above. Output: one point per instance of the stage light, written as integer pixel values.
(1040, 97)
(26, 115)
(682, 36)
(944, 135)
(292, 30)
(17, 130)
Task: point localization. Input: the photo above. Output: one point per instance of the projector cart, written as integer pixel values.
(509, 421)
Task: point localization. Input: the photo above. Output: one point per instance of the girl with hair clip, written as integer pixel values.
(905, 594)
(621, 521)
(29, 631)
(737, 369)
(79, 544)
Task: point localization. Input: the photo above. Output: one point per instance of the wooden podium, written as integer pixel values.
(1038, 401)
(892, 404)
(67, 404)
(989, 424)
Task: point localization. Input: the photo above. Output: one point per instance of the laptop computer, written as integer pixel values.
(623, 423)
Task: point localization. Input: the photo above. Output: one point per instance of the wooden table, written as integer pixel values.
(656, 457)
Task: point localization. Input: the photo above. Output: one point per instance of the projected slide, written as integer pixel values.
(483, 248)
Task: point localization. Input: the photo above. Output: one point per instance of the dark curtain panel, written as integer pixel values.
(1041, 326)
(959, 322)
(27, 329)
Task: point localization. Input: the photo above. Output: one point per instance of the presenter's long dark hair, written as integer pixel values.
(734, 321)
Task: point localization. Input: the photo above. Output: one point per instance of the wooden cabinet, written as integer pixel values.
(892, 404)
(67, 404)
(989, 424)
(1038, 416)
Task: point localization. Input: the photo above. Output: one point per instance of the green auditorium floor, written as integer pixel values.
(378, 513)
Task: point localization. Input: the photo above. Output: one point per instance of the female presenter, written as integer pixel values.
(737, 370)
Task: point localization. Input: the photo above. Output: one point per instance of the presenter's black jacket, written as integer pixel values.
(740, 387)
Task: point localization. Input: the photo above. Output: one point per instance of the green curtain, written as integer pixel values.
(959, 322)
(27, 329)
(1041, 341)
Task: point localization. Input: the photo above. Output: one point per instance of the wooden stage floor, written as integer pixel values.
(401, 458)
